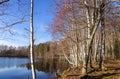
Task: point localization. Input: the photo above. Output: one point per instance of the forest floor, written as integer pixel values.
(111, 71)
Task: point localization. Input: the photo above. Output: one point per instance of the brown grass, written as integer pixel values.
(111, 71)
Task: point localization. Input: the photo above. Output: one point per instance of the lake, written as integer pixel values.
(19, 68)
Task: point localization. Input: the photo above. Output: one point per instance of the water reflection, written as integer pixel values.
(51, 65)
(19, 68)
(10, 62)
(20, 73)
(14, 73)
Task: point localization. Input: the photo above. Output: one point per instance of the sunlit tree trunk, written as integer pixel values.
(90, 33)
(32, 41)
(87, 36)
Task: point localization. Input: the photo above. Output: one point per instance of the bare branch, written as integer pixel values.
(3, 1)
(15, 23)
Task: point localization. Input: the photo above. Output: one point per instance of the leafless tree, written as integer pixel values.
(32, 40)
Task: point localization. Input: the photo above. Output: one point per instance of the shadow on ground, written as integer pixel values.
(98, 77)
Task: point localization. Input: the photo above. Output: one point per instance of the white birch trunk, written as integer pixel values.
(32, 41)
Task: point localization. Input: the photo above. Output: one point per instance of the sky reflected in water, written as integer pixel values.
(10, 68)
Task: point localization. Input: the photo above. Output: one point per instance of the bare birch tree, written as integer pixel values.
(32, 40)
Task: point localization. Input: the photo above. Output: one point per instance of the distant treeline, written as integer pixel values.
(10, 51)
(42, 50)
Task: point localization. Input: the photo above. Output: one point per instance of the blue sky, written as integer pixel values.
(42, 19)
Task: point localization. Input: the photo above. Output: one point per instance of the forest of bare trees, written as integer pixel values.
(89, 31)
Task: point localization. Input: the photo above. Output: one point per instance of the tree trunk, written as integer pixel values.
(32, 41)
(102, 52)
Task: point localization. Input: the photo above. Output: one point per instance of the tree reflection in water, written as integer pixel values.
(50, 66)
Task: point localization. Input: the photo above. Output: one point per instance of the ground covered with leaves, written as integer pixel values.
(111, 71)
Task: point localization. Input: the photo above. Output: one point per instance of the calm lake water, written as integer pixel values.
(19, 68)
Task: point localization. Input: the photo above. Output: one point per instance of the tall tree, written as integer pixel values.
(32, 40)
(102, 52)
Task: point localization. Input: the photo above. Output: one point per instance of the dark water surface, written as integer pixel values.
(19, 68)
